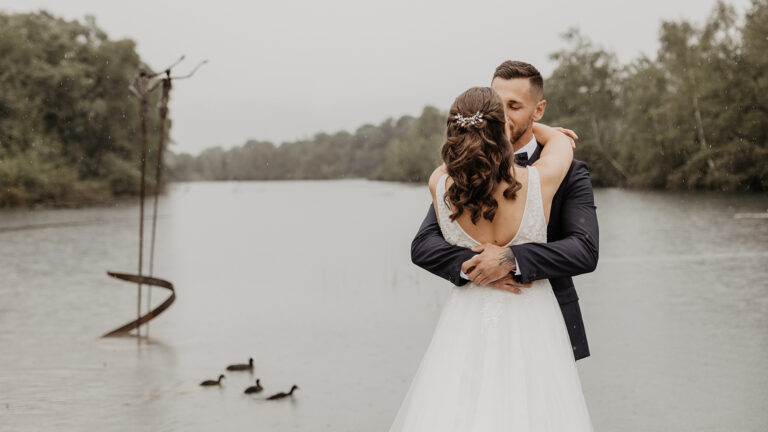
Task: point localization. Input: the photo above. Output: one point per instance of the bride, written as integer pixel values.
(498, 360)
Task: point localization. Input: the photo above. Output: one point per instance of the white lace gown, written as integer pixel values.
(497, 361)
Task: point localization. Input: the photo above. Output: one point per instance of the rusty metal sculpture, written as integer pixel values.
(142, 86)
(149, 281)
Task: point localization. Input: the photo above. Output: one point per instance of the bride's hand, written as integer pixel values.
(570, 134)
(543, 133)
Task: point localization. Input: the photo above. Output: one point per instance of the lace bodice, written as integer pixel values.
(533, 227)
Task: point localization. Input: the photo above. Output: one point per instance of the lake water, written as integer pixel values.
(313, 280)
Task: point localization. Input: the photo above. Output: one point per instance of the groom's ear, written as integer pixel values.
(538, 113)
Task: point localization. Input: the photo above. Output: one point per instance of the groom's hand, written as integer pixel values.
(507, 283)
(493, 263)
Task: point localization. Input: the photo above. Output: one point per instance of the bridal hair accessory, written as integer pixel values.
(464, 121)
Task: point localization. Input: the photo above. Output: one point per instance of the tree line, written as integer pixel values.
(69, 126)
(695, 116)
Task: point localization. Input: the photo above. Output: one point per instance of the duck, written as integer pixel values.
(254, 389)
(241, 366)
(213, 382)
(282, 395)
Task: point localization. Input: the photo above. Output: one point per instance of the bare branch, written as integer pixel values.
(166, 70)
(193, 71)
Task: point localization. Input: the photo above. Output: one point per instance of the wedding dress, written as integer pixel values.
(497, 361)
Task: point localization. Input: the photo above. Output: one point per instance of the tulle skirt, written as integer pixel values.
(497, 362)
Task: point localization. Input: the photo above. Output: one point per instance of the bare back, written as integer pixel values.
(510, 214)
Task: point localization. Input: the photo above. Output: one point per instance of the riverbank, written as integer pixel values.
(83, 201)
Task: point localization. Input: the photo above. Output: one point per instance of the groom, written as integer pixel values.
(572, 234)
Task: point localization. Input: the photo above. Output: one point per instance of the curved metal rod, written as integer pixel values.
(146, 280)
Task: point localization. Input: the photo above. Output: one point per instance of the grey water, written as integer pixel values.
(313, 280)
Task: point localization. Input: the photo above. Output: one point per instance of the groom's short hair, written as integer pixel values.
(516, 69)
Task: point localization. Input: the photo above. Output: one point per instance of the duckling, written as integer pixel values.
(241, 366)
(212, 382)
(282, 395)
(254, 389)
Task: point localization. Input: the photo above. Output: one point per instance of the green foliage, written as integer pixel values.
(582, 95)
(693, 117)
(68, 124)
(696, 117)
(415, 155)
(404, 150)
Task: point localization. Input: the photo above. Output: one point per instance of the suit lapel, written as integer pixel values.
(536, 153)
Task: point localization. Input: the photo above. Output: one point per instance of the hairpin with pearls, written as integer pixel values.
(464, 121)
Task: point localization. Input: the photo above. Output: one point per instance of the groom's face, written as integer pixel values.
(522, 106)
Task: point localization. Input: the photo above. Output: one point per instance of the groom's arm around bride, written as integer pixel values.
(571, 248)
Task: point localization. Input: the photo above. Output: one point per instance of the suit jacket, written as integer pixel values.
(571, 249)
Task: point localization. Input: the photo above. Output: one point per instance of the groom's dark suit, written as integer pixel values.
(571, 249)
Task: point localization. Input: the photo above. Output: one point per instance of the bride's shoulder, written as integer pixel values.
(519, 173)
(434, 178)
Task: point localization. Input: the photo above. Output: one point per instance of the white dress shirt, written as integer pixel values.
(527, 149)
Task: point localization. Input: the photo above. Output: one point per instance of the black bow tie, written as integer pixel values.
(522, 159)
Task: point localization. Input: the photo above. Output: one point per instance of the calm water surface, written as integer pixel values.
(314, 281)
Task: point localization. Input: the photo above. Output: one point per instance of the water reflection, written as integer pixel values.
(314, 281)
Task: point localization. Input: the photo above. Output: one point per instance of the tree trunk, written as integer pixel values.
(599, 145)
(700, 124)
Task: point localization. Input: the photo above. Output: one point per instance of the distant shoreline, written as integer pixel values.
(75, 204)
(133, 199)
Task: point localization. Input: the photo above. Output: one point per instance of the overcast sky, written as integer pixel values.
(284, 70)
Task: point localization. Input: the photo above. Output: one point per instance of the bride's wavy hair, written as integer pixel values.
(477, 154)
